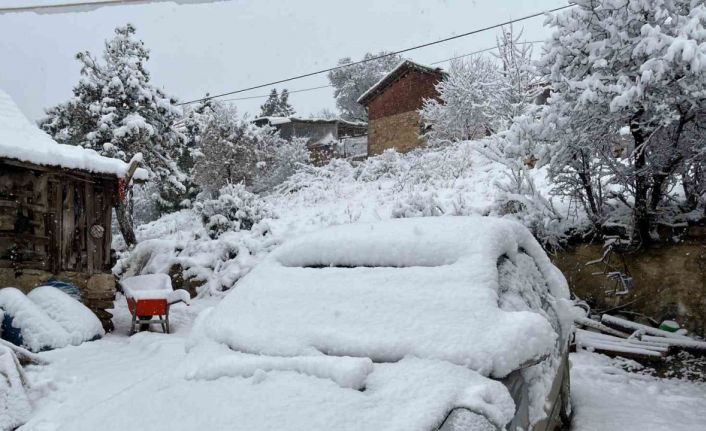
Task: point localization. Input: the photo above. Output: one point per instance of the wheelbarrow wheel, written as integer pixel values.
(145, 326)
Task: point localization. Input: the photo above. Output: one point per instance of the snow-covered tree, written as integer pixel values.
(285, 109)
(192, 125)
(232, 150)
(277, 105)
(118, 112)
(627, 75)
(470, 102)
(522, 82)
(280, 162)
(352, 81)
(227, 153)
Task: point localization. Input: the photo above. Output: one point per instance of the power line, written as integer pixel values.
(424, 45)
(267, 95)
(43, 7)
(481, 51)
(262, 96)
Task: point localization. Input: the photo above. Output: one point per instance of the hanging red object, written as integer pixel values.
(122, 189)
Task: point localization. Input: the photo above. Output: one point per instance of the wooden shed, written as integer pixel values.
(56, 206)
(321, 133)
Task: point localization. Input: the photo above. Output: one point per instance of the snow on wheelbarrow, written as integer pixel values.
(150, 296)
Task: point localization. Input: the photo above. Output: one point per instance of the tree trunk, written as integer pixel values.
(124, 216)
(641, 210)
(123, 207)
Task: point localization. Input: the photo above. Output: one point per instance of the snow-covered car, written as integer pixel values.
(443, 323)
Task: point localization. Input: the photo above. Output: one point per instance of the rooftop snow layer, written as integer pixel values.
(23, 141)
(425, 287)
(274, 121)
(363, 99)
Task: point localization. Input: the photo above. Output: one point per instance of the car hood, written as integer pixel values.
(324, 393)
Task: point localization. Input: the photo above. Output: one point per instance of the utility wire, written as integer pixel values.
(42, 7)
(424, 45)
(262, 96)
(482, 50)
(267, 95)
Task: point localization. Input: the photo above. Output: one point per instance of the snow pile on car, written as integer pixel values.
(76, 319)
(425, 287)
(47, 318)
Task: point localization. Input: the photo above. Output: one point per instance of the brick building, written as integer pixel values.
(393, 104)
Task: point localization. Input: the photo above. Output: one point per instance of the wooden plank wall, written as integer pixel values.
(46, 217)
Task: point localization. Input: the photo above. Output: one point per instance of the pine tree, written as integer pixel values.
(352, 81)
(277, 105)
(119, 113)
(284, 108)
(269, 108)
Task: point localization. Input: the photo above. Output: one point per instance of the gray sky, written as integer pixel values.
(223, 46)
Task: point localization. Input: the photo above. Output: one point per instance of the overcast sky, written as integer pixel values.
(227, 45)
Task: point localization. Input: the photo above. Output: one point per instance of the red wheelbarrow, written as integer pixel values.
(149, 298)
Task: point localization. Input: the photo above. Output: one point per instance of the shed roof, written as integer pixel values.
(273, 121)
(393, 75)
(21, 140)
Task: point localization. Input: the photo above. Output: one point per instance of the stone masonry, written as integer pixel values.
(399, 131)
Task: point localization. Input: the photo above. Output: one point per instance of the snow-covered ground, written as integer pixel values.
(607, 397)
(121, 382)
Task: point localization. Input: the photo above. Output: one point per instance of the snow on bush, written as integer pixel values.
(38, 330)
(234, 209)
(464, 178)
(211, 244)
(180, 243)
(418, 204)
(80, 322)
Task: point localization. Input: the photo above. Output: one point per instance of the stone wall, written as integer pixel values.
(400, 131)
(97, 291)
(669, 279)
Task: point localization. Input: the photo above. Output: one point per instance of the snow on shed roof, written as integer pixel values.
(21, 140)
(426, 287)
(273, 121)
(386, 80)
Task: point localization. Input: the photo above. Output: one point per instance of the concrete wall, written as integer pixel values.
(670, 281)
